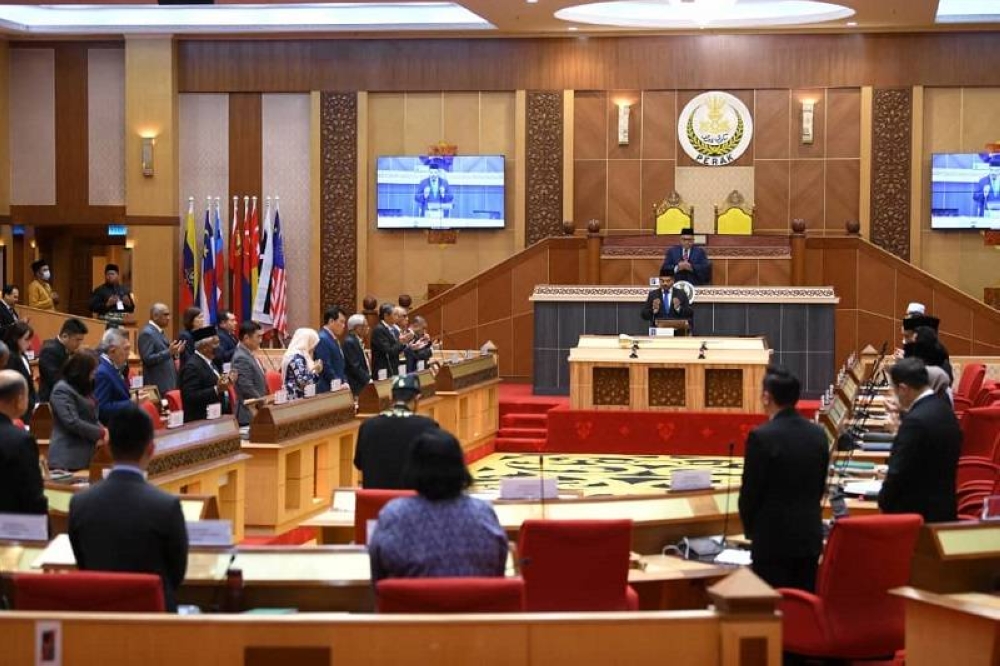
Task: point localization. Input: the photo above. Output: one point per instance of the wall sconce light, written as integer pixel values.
(32, 244)
(147, 156)
(624, 110)
(129, 244)
(808, 109)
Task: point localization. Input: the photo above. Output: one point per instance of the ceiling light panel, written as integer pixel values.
(968, 11)
(685, 14)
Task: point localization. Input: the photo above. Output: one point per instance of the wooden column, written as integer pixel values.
(798, 243)
(751, 627)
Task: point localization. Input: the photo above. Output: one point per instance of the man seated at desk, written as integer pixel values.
(20, 477)
(667, 302)
(687, 262)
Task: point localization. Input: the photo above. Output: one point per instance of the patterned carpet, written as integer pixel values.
(602, 474)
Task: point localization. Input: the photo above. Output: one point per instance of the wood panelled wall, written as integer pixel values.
(817, 182)
(691, 62)
(874, 287)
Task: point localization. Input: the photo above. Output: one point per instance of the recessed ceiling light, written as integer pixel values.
(685, 14)
(572, 28)
(384, 16)
(851, 24)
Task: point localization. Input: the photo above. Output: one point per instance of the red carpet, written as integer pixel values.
(293, 537)
(524, 418)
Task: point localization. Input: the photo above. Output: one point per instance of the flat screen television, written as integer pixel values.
(965, 191)
(440, 192)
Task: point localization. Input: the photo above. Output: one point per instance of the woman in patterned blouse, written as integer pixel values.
(441, 531)
(298, 368)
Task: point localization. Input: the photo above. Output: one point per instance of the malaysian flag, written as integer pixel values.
(279, 304)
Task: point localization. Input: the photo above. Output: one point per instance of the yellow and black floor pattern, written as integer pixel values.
(602, 474)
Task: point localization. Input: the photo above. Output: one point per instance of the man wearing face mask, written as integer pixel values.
(40, 292)
(110, 388)
(924, 458)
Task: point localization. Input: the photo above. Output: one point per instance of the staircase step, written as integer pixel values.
(526, 407)
(524, 421)
(504, 445)
(521, 433)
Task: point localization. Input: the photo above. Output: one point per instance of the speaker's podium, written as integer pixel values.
(711, 374)
(672, 327)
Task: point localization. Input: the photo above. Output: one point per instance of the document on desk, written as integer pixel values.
(734, 556)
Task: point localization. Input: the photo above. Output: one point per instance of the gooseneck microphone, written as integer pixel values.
(729, 488)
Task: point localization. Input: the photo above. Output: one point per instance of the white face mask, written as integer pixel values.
(46, 274)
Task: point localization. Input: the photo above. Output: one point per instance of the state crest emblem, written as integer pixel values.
(715, 128)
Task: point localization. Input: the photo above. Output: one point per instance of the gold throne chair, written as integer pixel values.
(672, 215)
(735, 216)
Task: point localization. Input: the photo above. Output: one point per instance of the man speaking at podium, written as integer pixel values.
(667, 302)
(687, 261)
(433, 192)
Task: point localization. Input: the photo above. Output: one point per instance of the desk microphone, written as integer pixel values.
(729, 487)
(701, 357)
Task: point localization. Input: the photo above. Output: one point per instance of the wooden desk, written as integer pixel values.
(951, 628)
(668, 373)
(957, 557)
(472, 391)
(658, 520)
(376, 397)
(301, 451)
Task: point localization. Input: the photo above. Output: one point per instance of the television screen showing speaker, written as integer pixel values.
(440, 192)
(965, 191)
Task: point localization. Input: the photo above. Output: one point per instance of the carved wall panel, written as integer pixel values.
(611, 386)
(543, 166)
(338, 200)
(723, 388)
(667, 387)
(892, 117)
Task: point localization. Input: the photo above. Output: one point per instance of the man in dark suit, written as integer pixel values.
(110, 388)
(687, 261)
(329, 350)
(112, 300)
(433, 192)
(355, 360)
(125, 524)
(987, 192)
(925, 451)
(159, 355)
(21, 489)
(251, 382)
(784, 477)
(420, 348)
(384, 440)
(201, 384)
(227, 329)
(54, 354)
(8, 307)
(667, 302)
(387, 345)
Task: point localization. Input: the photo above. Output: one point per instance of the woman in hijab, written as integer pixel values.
(298, 369)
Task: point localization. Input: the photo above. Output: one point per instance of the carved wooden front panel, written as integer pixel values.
(892, 121)
(544, 166)
(667, 387)
(338, 239)
(723, 388)
(611, 386)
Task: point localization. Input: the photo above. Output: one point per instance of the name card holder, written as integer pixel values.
(24, 527)
(529, 488)
(690, 479)
(210, 533)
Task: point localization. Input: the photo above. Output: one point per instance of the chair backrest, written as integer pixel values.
(864, 558)
(450, 595)
(984, 397)
(36, 344)
(274, 382)
(672, 215)
(154, 414)
(95, 591)
(734, 217)
(971, 380)
(367, 504)
(174, 402)
(972, 469)
(575, 565)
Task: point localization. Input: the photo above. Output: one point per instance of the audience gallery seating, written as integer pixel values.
(851, 615)
(968, 386)
(367, 504)
(95, 591)
(576, 565)
(450, 595)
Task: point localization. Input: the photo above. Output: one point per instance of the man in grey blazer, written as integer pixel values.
(157, 352)
(250, 380)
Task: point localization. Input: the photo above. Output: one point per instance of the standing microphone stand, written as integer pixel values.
(729, 489)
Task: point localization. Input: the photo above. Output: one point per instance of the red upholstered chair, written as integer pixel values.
(450, 595)
(985, 396)
(36, 345)
(174, 402)
(274, 382)
(367, 504)
(980, 429)
(851, 616)
(968, 386)
(576, 565)
(154, 414)
(95, 591)
(900, 658)
(970, 505)
(976, 468)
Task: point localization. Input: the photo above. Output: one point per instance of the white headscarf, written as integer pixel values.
(302, 344)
